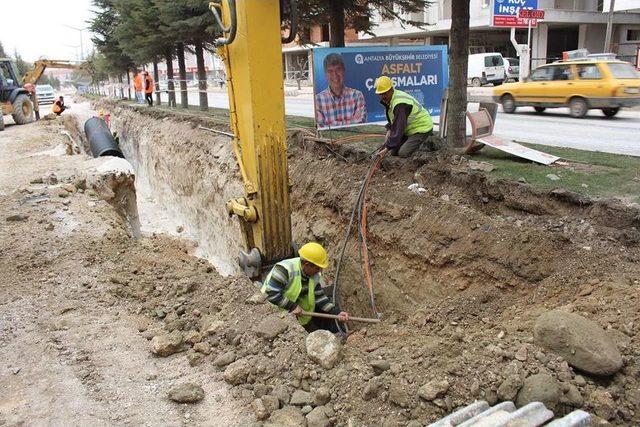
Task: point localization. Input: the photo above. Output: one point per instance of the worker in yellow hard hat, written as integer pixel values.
(409, 123)
(296, 285)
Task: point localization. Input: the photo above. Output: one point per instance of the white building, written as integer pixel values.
(568, 25)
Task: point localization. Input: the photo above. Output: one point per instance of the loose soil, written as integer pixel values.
(462, 270)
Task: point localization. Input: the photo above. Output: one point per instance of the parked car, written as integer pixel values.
(486, 68)
(512, 68)
(581, 85)
(45, 94)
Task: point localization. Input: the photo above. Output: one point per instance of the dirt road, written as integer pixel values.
(72, 352)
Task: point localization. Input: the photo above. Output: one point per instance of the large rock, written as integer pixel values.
(324, 348)
(186, 393)
(379, 366)
(270, 327)
(321, 396)
(509, 388)
(166, 344)
(301, 398)
(237, 372)
(399, 394)
(288, 416)
(318, 418)
(603, 404)
(272, 403)
(225, 359)
(581, 342)
(540, 388)
(282, 393)
(433, 389)
(259, 410)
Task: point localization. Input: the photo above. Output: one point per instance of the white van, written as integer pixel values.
(486, 68)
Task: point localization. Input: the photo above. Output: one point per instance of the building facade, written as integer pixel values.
(568, 25)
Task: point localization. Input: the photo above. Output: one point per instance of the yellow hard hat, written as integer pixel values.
(315, 254)
(383, 84)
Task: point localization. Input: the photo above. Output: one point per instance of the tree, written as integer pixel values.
(356, 14)
(2, 53)
(459, 54)
(47, 79)
(138, 32)
(190, 22)
(104, 26)
(23, 66)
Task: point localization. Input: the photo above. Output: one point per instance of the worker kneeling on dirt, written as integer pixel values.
(58, 106)
(296, 285)
(409, 122)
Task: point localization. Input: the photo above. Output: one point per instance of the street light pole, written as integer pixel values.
(607, 39)
(80, 30)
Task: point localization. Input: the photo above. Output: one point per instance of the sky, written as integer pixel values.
(37, 29)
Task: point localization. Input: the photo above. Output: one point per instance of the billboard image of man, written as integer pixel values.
(338, 105)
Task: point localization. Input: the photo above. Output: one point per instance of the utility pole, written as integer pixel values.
(80, 30)
(607, 39)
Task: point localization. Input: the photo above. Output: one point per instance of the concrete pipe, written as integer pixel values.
(100, 139)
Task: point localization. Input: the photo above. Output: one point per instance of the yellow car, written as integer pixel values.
(580, 85)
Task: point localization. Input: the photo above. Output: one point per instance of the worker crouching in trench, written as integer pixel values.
(295, 285)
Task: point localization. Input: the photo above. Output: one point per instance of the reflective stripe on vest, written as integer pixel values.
(419, 120)
(294, 287)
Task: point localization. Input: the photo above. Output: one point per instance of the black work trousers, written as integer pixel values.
(149, 98)
(320, 323)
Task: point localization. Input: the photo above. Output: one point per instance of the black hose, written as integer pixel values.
(357, 209)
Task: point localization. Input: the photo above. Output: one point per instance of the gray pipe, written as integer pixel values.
(100, 139)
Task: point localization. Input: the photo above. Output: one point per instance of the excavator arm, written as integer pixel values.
(30, 79)
(32, 76)
(251, 50)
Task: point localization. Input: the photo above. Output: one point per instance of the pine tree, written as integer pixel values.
(190, 22)
(103, 25)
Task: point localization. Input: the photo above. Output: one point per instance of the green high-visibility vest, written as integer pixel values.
(419, 120)
(294, 287)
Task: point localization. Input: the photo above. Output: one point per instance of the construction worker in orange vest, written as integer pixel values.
(58, 106)
(137, 86)
(148, 88)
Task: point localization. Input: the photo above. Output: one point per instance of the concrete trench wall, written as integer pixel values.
(190, 174)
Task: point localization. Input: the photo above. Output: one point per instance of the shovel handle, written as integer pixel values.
(333, 316)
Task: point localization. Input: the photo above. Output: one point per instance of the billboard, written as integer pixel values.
(504, 13)
(343, 81)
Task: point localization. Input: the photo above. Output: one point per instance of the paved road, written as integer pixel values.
(554, 127)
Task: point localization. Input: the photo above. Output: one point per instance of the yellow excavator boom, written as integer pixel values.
(41, 65)
(253, 58)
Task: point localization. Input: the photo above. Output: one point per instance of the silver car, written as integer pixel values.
(45, 94)
(512, 68)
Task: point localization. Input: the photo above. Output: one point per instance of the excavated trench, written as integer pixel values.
(460, 232)
(462, 266)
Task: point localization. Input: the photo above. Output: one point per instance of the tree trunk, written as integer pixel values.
(120, 84)
(202, 76)
(157, 82)
(168, 56)
(128, 85)
(336, 24)
(184, 99)
(459, 54)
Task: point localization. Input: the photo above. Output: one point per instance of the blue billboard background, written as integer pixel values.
(421, 71)
(511, 7)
